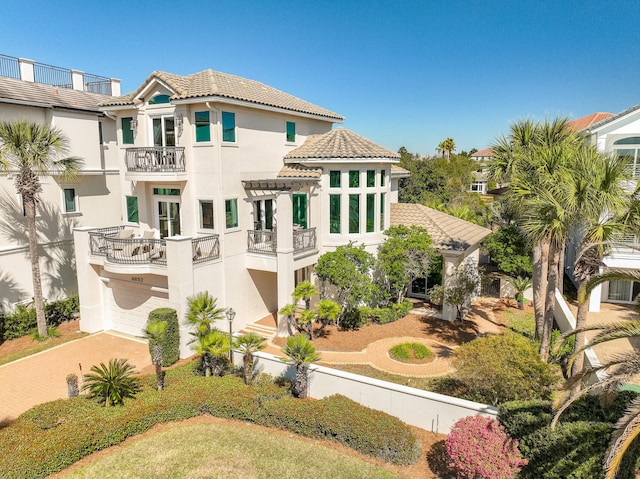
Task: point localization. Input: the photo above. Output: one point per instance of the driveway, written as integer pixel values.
(42, 377)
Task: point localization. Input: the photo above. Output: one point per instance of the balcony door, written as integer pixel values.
(263, 215)
(164, 131)
(167, 211)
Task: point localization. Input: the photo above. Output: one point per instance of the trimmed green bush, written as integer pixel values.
(504, 367)
(22, 321)
(386, 315)
(171, 343)
(407, 351)
(53, 436)
(352, 319)
(575, 448)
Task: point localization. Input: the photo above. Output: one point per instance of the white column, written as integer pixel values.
(115, 87)
(181, 284)
(89, 283)
(77, 80)
(26, 69)
(284, 251)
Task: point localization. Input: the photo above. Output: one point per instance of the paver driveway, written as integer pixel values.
(42, 377)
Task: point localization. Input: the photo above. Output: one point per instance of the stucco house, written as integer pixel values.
(68, 100)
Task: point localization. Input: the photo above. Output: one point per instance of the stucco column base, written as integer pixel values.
(180, 275)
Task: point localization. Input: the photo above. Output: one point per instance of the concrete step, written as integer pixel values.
(267, 332)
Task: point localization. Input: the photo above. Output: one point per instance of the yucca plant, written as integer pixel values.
(301, 353)
(111, 384)
(248, 344)
(213, 347)
(155, 333)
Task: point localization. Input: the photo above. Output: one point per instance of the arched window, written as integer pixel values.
(629, 148)
(159, 99)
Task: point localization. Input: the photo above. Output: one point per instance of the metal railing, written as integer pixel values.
(304, 240)
(261, 241)
(634, 170)
(626, 245)
(97, 244)
(205, 248)
(9, 67)
(50, 75)
(96, 84)
(167, 159)
(136, 250)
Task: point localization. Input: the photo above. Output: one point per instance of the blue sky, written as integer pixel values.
(403, 73)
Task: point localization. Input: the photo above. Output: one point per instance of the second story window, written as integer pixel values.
(164, 131)
(228, 127)
(203, 130)
(371, 178)
(70, 203)
(334, 179)
(127, 131)
(354, 179)
(291, 132)
(132, 209)
(231, 213)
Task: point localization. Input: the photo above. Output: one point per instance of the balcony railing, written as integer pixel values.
(634, 171)
(156, 159)
(139, 250)
(265, 242)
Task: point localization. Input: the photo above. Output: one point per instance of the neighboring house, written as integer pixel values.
(455, 239)
(617, 135)
(480, 184)
(68, 100)
(231, 186)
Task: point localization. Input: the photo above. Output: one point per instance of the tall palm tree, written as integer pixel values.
(155, 333)
(301, 353)
(446, 147)
(202, 312)
(248, 344)
(33, 150)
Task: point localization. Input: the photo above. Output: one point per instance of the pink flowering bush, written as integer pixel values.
(479, 448)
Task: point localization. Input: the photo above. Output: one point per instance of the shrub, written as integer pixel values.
(62, 310)
(503, 368)
(575, 448)
(22, 321)
(479, 448)
(407, 351)
(171, 343)
(352, 319)
(111, 384)
(386, 315)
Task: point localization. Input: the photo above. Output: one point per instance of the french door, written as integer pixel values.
(168, 218)
(164, 131)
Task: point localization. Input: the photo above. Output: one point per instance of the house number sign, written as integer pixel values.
(137, 279)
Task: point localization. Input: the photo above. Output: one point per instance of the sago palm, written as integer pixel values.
(301, 353)
(33, 150)
(202, 312)
(248, 344)
(112, 383)
(155, 332)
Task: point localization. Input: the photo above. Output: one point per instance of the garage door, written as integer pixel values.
(130, 304)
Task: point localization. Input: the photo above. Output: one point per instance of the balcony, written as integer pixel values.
(155, 163)
(118, 247)
(265, 242)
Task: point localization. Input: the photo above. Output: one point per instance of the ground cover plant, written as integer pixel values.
(240, 453)
(54, 435)
(410, 352)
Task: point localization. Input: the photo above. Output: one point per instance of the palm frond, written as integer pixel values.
(626, 430)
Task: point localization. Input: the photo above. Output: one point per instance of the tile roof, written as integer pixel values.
(448, 232)
(485, 152)
(398, 171)
(614, 117)
(296, 170)
(340, 143)
(210, 83)
(585, 122)
(12, 90)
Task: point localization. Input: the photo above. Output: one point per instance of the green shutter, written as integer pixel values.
(132, 209)
(334, 179)
(371, 212)
(300, 210)
(354, 179)
(228, 126)
(334, 213)
(291, 132)
(127, 132)
(354, 213)
(371, 178)
(203, 131)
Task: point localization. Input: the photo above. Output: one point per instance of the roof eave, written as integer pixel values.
(376, 159)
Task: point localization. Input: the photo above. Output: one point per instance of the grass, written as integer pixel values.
(410, 351)
(38, 347)
(225, 451)
(521, 322)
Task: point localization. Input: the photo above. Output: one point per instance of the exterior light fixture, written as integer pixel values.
(230, 313)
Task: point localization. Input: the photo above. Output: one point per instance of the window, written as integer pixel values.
(164, 131)
(166, 191)
(382, 177)
(70, 205)
(228, 127)
(132, 209)
(334, 213)
(371, 178)
(629, 148)
(291, 132)
(206, 214)
(127, 132)
(100, 138)
(263, 214)
(354, 213)
(203, 131)
(231, 213)
(300, 210)
(159, 99)
(479, 187)
(371, 213)
(382, 200)
(334, 179)
(354, 179)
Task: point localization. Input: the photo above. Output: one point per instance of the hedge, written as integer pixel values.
(171, 343)
(22, 321)
(575, 448)
(53, 436)
(386, 315)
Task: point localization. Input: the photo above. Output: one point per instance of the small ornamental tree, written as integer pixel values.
(479, 448)
(461, 286)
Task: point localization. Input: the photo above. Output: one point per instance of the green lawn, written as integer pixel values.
(225, 451)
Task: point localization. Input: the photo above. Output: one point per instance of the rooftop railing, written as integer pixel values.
(9, 67)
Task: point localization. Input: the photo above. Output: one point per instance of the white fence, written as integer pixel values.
(423, 409)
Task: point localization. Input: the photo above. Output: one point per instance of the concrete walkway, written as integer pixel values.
(42, 377)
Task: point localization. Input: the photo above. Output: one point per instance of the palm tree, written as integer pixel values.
(307, 317)
(327, 312)
(202, 313)
(289, 311)
(446, 147)
(213, 347)
(301, 353)
(33, 150)
(520, 284)
(155, 333)
(248, 344)
(113, 383)
(305, 291)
